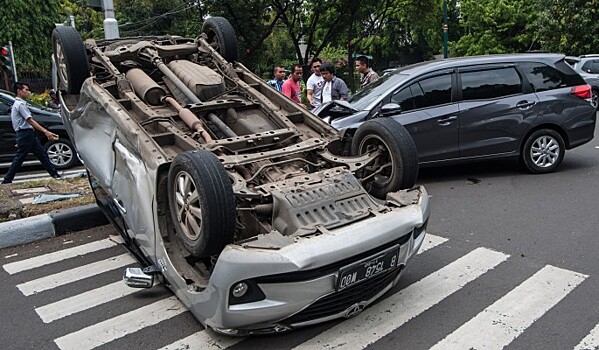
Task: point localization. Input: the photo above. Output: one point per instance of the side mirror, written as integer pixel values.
(390, 109)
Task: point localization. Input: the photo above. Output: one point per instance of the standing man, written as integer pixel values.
(367, 75)
(27, 142)
(334, 88)
(291, 87)
(279, 78)
(315, 84)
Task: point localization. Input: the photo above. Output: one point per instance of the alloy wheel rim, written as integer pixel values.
(60, 154)
(61, 67)
(187, 206)
(594, 99)
(545, 151)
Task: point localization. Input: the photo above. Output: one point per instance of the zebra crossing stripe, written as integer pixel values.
(503, 321)
(46, 259)
(122, 325)
(399, 308)
(206, 339)
(84, 301)
(591, 341)
(431, 241)
(76, 274)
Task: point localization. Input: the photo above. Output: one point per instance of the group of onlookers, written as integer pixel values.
(322, 85)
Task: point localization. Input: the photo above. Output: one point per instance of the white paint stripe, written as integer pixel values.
(64, 254)
(84, 301)
(389, 314)
(503, 321)
(431, 241)
(122, 325)
(76, 274)
(206, 339)
(591, 341)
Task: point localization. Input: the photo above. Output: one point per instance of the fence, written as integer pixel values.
(37, 82)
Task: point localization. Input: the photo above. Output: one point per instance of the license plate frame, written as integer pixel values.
(367, 268)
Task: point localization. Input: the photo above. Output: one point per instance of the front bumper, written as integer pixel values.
(299, 280)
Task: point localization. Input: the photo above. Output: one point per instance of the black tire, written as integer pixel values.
(201, 202)
(543, 151)
(595, 98)
(398, 149)
(221, 36)
(71, 59)
(62, 154)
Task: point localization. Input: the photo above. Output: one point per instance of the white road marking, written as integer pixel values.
(206, 339)
(76, 274)
(431, 241)
(46, 259)
(389, 314)
(84, 301)
(503, 321)
(122, 325)
(591, 341)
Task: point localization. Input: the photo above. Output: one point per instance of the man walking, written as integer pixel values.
(24, 125)
(367, 75)
(334, 88)
(279, 78)
(315, 84)
(291, 87)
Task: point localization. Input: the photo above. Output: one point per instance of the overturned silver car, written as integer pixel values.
(258, 215)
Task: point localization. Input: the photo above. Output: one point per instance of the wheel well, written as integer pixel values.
(553, 127)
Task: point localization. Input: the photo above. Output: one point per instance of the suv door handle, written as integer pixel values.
(525, 104)
(448, 120)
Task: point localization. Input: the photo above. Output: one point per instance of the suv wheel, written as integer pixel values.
(71, 59)
(595, 98)
(221, 36)
(543, 151)
(61, 153)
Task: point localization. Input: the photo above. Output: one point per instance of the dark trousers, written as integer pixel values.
(27, 143)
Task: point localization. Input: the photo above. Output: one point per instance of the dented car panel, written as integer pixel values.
(249, 208)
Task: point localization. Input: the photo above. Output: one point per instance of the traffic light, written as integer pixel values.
(5, 59)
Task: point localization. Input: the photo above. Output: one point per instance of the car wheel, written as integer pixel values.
(221, 36)
(595, 99)
(71, 59)
(396, 167)
(543, 151)
(201, 203)
(61, 153)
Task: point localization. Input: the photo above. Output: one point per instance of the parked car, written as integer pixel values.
(588, 68)
(230, 193)
(61, 152)
(531, 107)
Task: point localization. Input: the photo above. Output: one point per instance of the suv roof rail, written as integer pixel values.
(590, 55)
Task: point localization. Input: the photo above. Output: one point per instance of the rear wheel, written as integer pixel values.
(595, 98)
(397, 165)
(543, 151)
(201, 203)
(71, 59)
(221, 36)
(61, 153)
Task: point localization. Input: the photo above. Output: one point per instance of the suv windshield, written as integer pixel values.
(373, 91)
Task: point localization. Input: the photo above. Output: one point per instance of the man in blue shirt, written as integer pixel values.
(277, 82)
(24, 125)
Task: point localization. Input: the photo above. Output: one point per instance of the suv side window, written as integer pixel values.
(543, 77)
(427, 92)
(591, 66)
(488, 84)
(404, 99)
(4, 107)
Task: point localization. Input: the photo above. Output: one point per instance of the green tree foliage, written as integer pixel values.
(88, 21)
(569, 26)
(495, 26)
(29, 25)
(158, 17)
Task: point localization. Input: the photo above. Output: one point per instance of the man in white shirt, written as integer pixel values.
(334, 88)
(315, 84)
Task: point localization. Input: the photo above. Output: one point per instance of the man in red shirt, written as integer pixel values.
(291, 87)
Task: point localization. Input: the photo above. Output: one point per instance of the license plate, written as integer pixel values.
(368, 268)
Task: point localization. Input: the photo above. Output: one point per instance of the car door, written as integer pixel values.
(496, 109)
(429, 113)
(7, 134)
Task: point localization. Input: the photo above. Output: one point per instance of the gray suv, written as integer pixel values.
(588, 68)
(530, 107)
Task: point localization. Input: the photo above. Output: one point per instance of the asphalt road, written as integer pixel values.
(512, 261)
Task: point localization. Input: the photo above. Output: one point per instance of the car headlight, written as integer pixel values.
(245, 292)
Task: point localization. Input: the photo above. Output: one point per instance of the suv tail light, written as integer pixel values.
(582, 91)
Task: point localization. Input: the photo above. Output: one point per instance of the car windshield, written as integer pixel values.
(371, 92)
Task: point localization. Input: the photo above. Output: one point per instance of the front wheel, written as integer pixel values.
(61, 153)
(201, 203)
(71, 59)
(221, 36)
(543, 151)
(397, 165)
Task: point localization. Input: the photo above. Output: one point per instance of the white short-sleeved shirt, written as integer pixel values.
(315, 83)
(19, 113)
(326, 92)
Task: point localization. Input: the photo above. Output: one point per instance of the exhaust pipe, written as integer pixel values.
(145, 87)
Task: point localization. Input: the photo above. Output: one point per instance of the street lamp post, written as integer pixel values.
(445, 29)
(111, 27)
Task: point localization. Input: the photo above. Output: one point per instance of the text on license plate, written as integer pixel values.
(367, 268)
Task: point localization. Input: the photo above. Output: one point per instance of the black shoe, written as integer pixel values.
(57, 177)
(6, 182)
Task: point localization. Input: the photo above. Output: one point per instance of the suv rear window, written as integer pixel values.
(492, 83)
(543, 77)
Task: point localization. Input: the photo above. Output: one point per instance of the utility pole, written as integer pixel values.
(111, 27)
(445, 28)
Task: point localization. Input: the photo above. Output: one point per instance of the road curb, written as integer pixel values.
(53, 224)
